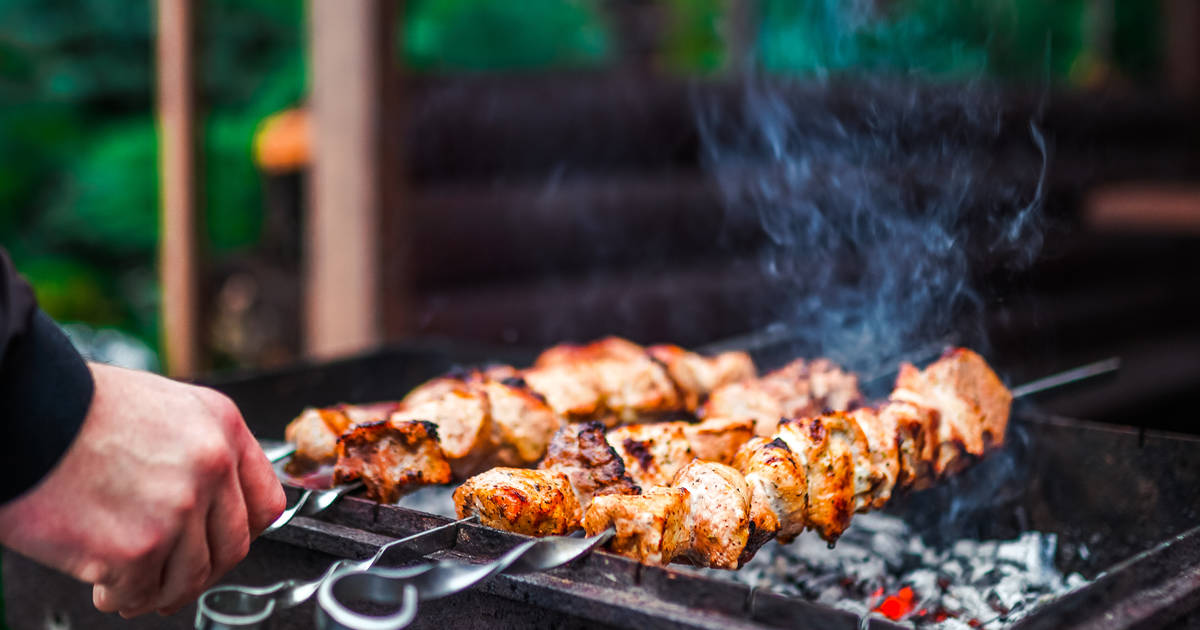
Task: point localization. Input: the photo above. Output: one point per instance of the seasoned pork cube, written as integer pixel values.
(971, 402)
(916, 428)
(531, 502)
(883, 441)
(838, 469)
(745, 400)
(718, 513)
(778, 486)
(315, 433)
(391, 458)
(611, 348)
(697, 376)
(651, 527)
(579, 451)
(569, 388)
(652, 453)
(718, 439)
(463, 418)
(522, 423)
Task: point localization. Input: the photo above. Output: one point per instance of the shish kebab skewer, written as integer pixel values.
(505, 416)
(815, 473)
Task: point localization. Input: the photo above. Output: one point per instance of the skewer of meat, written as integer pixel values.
(814, 472)
(502, 416)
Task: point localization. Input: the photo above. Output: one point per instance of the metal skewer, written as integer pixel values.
(1074, 375)
(404, 587)
(248, 607)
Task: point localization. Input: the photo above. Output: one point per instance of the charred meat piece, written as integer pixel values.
(653, 453)
(696, 376)
(971, 402)
(746, 400)
(531, 502)
(916, 429)
(316, 430)
(718, 514)
(522, 423)
(778, 487)
(718, 439)
(463, 417)
(651, 527)
(795, 390)
(612, 379)
(883, 441)
(391, 458)
(837, 467)
(579, 451)
(608, 348)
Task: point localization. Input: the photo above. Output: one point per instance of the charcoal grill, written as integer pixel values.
(1130, 498)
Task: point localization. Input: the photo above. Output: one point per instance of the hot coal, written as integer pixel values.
(976, 583)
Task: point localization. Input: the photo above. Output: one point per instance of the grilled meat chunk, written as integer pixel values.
(916, 430)
(696, 376)
(463, 417)
(316, 430)
(778, 486)
(797, 389)
(531, 502)
(883, 442)
(651, 527)
(653, 453)
(718, 439)
(391, 458)
(612, 379)
(972, 405)
(522, 423)
(718, 513)
(838, 469)
(579, 451)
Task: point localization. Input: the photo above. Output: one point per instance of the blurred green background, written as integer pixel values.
(78, 187)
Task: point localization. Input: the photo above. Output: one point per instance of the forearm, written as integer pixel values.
(45, 388)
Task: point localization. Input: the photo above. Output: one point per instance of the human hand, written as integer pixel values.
(158, 496)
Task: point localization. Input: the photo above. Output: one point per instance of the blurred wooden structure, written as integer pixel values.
(531, 208)
(181, 222)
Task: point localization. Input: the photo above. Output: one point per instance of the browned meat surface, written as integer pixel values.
(531, 502)
(463, 417)
(883, 442)
(795, 390)
(746, 400)
(569, 388)
(778, 485)
(522, 423)
(579, 451)
(718, 439)
(315, 431)
(653, 453)
(838, 469)
(650, 527)
(391, 458)
(916, 429)
(971, 402)
(696, 376)
(718, 514)
(608, 348)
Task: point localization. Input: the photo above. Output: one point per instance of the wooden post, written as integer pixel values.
(349, 56)
(180, 220)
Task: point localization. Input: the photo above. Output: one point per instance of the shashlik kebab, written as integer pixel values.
(502, 416)
(813, 472)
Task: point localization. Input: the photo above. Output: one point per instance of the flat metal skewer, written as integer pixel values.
(1074, 375)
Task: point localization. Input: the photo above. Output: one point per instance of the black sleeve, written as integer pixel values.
(45, 387)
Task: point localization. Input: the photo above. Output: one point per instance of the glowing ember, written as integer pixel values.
(897, 607)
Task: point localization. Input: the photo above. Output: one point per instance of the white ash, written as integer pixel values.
(990, 583)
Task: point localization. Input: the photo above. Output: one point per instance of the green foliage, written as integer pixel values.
(1025, 39)
(694, 42)
(501, 34)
